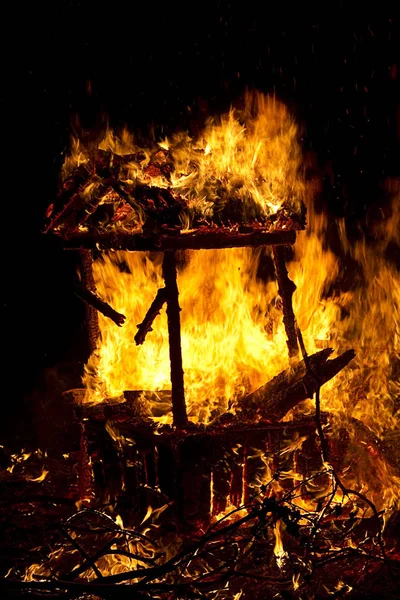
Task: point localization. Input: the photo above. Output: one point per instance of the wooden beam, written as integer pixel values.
(87, 280)
(174, 333)
(145, 326)
(274, 399)
(211, 239)
(286, 289)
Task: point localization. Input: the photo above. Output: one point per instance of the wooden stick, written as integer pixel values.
(87, 279)
(91, 205)
(286, 289)
(208, 239)
(85, 474)
(174, 332)
(101, 306)
(145, 326)
(68, 196)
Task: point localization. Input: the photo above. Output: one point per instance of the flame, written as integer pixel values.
(254, 158)
(243, 166)
(296, 581)
(233, 338)
(280, 553)
(40, 478)
(226, 348)
(364, 314)
(147, 515)
(340, 587)
(247, 161)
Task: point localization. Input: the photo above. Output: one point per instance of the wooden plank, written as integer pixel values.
(211, 239)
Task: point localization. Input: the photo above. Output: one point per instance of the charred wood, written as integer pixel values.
(79, 219)
(174, 332)
(237, 483)
(73, 206)
(223, 462)
(87, 279)
(286, 289)
(101, 306)
(195, 466)
(69, 189)
(351, 430)
(274, 399)
(145, 326)
(207, 239)
(85, 477)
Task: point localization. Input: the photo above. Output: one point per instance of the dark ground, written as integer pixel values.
(145, 64)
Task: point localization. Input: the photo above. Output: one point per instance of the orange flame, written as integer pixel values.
(246, 161)
(233, 338)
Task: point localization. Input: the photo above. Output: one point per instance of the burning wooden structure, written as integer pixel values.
(255, 491)
(201, 468)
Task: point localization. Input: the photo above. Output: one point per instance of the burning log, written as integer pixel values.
(67, 197)
(195, 466)
(145, 326)
(274, 399)
(79, 208)
(286, 289)
(223, 464)
(174, 332)
(84, 469)
(101, 306)
(92, 318)
(203, 239)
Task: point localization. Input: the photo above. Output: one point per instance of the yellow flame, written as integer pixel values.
(147, 515)
(233, 338)
(296, 581)
(40, 478)
(255, 156)
(227, 350)
(247, 159)
(279, 551)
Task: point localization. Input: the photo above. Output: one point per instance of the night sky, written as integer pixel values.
(144, 65)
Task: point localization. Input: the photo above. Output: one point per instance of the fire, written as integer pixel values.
(40, 478)
(233, 338)
(225, 344)
(365, 315)
(256, 163)
(242, 168)
(280, 554)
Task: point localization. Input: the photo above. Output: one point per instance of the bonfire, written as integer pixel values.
(236, 430)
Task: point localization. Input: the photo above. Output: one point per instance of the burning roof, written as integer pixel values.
(241, 174)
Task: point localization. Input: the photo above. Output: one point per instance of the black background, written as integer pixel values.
(145, 64)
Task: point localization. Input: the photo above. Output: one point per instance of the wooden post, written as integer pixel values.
(85, 473)
(174, 333)
(92, 317)
(286, 289)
